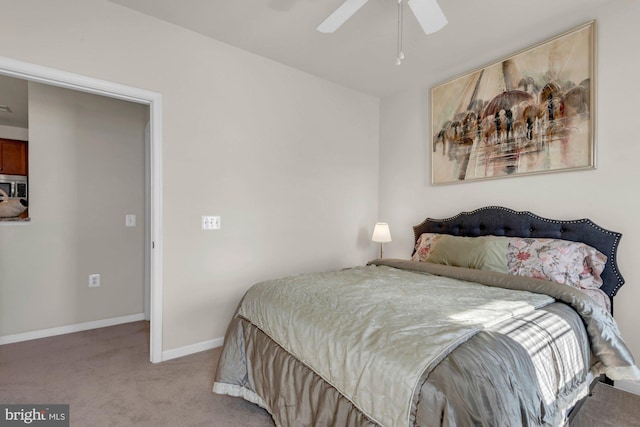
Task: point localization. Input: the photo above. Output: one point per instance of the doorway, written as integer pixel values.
(153, 238)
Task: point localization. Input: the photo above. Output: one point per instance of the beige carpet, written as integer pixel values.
(106, 378)
(609, 407)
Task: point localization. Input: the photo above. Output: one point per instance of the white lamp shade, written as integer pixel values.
(381, 233)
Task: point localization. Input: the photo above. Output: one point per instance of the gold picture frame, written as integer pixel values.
(532, 112)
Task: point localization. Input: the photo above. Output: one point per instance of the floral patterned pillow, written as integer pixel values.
(560, 261)
(424, 245)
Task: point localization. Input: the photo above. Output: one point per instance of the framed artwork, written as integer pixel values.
(530, 113)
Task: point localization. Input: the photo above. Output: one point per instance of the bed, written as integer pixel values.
(469, 331)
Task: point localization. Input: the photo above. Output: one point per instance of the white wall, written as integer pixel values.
(289, 161)
(608, 195)
(86, 164)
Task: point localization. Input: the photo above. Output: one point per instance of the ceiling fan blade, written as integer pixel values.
(340, 15)
(428, 14)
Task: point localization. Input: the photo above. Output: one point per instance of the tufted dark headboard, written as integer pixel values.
(499, 221)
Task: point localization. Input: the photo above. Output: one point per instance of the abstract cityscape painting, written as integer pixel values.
(530, 113)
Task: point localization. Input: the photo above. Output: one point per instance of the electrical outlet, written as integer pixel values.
(211, 223)
(94, 280)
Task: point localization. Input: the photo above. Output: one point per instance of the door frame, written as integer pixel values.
(36, 73)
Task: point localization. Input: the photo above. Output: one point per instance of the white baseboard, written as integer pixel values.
(630, 386)
(191, 349)
(43, 333)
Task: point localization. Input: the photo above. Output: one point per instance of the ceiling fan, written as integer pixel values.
(427, 12)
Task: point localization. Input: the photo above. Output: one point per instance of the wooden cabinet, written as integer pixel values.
(13, 157)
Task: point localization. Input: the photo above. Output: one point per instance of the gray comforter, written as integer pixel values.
(312, 355)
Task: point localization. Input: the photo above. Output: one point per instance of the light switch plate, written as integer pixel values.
(211, 223)
(130, 220)
(94, 280)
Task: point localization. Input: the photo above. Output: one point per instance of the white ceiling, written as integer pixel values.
(13, 93)
(361, 54)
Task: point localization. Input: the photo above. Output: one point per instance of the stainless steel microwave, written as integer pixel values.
(14, 185)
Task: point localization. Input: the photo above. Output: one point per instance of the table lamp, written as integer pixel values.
(381, 234)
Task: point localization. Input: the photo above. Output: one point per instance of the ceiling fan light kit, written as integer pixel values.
(400, 56)
(427, 12)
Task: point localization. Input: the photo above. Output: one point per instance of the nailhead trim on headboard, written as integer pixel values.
(501, 221)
